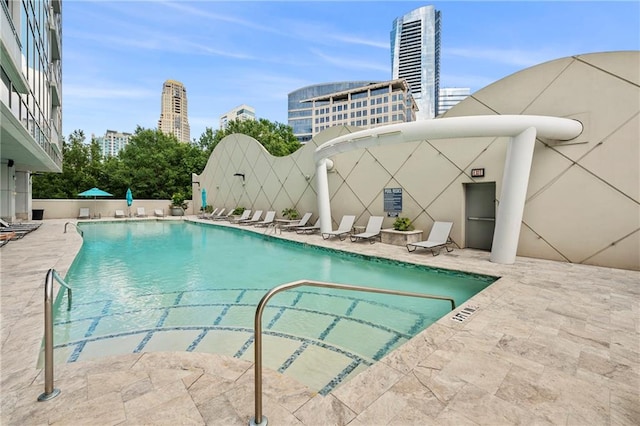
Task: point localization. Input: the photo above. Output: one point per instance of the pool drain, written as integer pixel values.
(464, 313)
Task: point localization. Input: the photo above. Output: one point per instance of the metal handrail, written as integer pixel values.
(74, 224)
(49, 391)
(259, 419)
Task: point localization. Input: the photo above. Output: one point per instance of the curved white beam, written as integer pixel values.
(455, 127)
(522, 129)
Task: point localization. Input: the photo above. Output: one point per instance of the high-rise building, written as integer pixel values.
(112, 142)
(174, 119)
(31, 97)
(449, 96)
(240, 113)
(300, 111)
(374, 105)
(415, 56)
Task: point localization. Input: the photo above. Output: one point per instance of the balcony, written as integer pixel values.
(56, 43)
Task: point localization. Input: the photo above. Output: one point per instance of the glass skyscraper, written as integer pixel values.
(301, 113)
(31, 99)
(415, 56)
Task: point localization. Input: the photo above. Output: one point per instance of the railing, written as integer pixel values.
(74, 224)
(49, 391)
(259, 419)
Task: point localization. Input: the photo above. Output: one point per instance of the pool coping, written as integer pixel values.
(518, 358)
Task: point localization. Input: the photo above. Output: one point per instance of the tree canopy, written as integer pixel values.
(277, 138)
(153, 164)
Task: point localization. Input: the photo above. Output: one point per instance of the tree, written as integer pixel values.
(156, 165)
(277, 138)
(77, 171)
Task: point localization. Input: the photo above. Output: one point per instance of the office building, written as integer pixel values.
(369, 106)
(112, 142)
(415, 56)
(174, 118)
(450, 96)
(240, 113)
(31, 99)
(300, 111)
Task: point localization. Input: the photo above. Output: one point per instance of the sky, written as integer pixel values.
(117, 54)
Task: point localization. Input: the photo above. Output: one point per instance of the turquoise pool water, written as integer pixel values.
(164, 285)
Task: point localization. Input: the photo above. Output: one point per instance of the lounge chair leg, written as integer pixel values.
(409, 250)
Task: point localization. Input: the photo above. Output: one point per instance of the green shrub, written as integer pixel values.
(403, 224)
(178, 200)
(238, 210)
(290, 214)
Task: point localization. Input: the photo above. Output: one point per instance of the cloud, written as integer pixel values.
(515, 57)
(350, 63)
(106, 91)
(360, 41)
(201, 13)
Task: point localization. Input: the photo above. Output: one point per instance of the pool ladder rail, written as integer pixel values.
(49, 391)
(74, 224)
(261, 420)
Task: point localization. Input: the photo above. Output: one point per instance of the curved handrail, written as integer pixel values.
(49, 391)
(259, 419)
(74, 224)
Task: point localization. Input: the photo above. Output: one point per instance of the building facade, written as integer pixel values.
(415, 56)
(174, 118)
(450, 96)
(369, 106)
(30, 98)
(591, 182)
(300, 112)
(240, 113)
(112, 142)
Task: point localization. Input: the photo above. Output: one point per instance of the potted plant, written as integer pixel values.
(178, 204)
(291, 214)
(403, 224)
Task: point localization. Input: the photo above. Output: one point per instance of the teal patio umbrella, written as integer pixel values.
(95, 192)
(204, 198)
(129, 200)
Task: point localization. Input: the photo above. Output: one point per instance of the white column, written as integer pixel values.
(512, 197)
(324, 205)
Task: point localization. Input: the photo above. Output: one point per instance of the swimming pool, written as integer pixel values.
(166, 285)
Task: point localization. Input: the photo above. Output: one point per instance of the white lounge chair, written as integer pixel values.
(244, 216)
(219, 215)
(119, 213)
(254, 219)
(309, 229)
(268, 219)
(222, 216)
(158, 213)
(140, 212)
(210, 215)
(84, 213)
(344, 229)
(299, 224)
(372, 231)
(438, 238)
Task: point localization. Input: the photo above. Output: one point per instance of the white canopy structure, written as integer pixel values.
(522, 131)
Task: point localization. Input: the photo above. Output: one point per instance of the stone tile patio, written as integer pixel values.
(551, 343)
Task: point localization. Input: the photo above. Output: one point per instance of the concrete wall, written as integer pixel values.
(583, 199)
(62, 209)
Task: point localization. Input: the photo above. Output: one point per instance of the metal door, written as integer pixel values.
(480, 215)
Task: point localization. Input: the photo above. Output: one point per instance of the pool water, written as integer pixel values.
(178, 286)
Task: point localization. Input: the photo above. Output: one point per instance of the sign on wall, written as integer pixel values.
(392, 201)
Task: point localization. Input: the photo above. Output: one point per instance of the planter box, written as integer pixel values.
(400, 238)
(176, 211)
